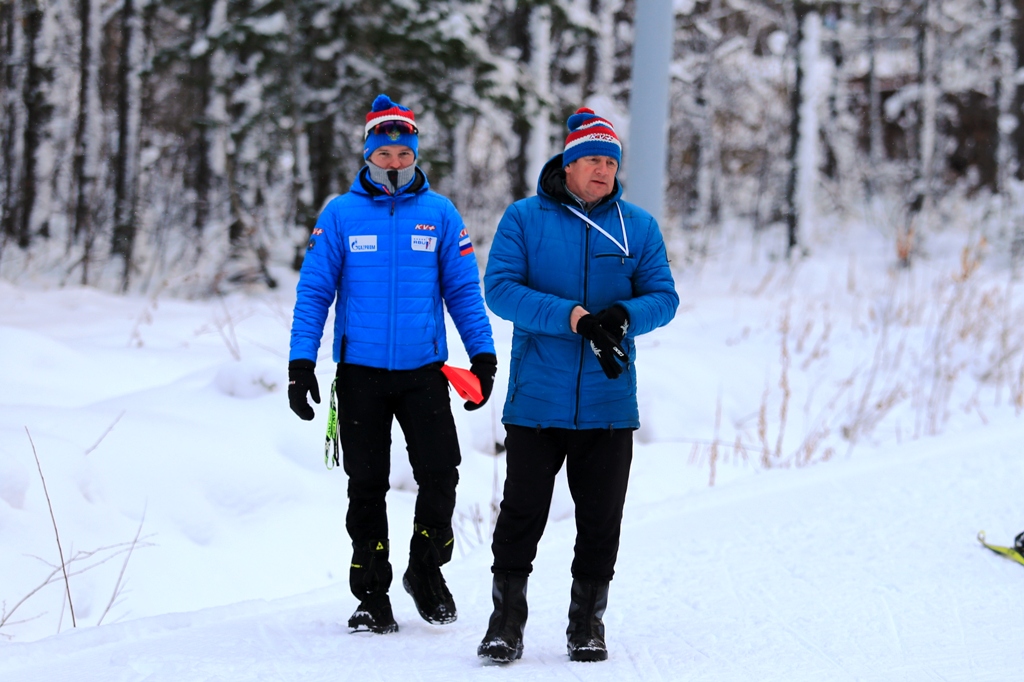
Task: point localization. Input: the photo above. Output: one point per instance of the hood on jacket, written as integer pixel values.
(551, 183)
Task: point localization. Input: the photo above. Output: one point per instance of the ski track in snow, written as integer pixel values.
(738, 599)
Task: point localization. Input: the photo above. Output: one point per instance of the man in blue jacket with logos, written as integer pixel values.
(391, 254)
(581, 274)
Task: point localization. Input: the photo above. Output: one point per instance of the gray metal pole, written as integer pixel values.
(646, 151)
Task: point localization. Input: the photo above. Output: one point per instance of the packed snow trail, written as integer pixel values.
(866, 569)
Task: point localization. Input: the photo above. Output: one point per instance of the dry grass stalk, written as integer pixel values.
(739, 451)
(783, 384)
(762, 430)
(60, 550)
(118, 585)
(820, 349)
(970, 259)
(229, 337)
(905, 246)
(713, 454)
(104, 434)
(805, 453)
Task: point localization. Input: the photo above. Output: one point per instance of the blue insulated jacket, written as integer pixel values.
(546, 260)
(389, 262)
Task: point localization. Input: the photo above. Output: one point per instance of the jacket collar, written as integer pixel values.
(364, 185)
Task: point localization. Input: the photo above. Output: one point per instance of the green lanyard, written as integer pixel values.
(332, 431)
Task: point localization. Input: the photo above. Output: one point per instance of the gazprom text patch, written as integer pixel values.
(362, 242)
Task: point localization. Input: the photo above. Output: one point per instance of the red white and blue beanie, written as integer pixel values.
(590, 135)
(385, 110)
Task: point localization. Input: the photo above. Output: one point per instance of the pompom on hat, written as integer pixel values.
(402, 128)
(590, 135)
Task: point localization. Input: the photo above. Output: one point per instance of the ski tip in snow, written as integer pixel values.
(1008, 552)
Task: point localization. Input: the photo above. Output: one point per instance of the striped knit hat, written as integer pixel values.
(590, 135)
(402, 130)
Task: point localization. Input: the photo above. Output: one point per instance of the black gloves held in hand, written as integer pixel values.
(615, 321)
(484, 366)
(302, 380)
(606, 347)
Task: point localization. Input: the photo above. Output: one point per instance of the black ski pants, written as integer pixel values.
(368, 399)
(597, 468)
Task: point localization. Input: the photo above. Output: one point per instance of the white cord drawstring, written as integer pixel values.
(624, 245)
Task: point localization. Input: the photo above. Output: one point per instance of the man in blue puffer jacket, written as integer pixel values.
(580, 273)
(392, 254)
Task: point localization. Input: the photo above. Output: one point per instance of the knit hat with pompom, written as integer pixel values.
(590, 135)
(389, 123)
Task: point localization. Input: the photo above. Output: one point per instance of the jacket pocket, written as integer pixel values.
(518, 369)
(434, 326)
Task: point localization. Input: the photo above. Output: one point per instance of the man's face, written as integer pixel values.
(591, 177)
(392, 157)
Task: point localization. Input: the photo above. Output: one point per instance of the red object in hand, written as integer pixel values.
(465, 383)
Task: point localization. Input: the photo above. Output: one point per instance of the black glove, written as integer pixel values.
(615, 320)
(605, 346)
(484, 366)
(302, 380)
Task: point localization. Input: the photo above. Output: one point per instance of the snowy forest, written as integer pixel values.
(187, 145)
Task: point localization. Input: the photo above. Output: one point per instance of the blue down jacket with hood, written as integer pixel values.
(391, 261)
(545, 260)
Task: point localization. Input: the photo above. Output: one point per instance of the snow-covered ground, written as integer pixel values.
(821, 444)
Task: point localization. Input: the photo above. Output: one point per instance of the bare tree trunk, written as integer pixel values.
(921, 198)
(801, 10)
(833, 166)
(539, 98)
(600, 65)
(1002, 95)
(302, 207)
(10, 54)
(37, 109)
(519, 161)
(84, 171)
(125, 177)
(198, 173)
(1018, 91)
(321, 146)
(1015, 25)
(707, 161)
(875, 142)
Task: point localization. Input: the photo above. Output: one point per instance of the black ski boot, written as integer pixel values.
(370, 577)
(585, 634)
(503, 642)
(429, 549)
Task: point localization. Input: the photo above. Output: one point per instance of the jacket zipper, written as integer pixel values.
(393, 298)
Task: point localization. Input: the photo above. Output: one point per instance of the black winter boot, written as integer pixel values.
(370, 577)
(429, 549)
(503, 642)
(585, 634)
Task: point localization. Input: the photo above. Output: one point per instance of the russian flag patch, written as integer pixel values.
(465, 242)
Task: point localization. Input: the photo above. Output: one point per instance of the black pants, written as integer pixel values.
(597, 468)
(368, 399)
